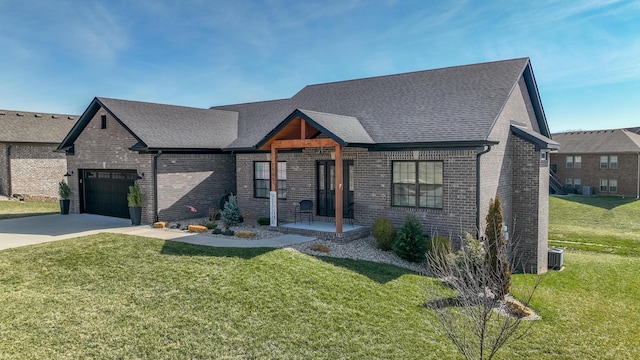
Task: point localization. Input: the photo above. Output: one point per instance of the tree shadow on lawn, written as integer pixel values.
(603, 202)
(176, 248)
(379, 272)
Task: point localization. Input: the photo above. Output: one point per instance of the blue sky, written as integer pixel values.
(55, 56)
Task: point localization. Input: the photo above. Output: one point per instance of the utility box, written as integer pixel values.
(587, 190)
(556, 258)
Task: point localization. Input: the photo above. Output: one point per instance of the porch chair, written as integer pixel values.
(347, 213)
(304, 207)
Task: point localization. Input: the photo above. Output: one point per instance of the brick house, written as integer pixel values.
(603, 162)
(438, 144)
(28, 164)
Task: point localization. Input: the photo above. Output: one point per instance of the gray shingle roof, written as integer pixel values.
(169, 126)
(347, 128)
(31, 127)
(451, 104)
(598, 141)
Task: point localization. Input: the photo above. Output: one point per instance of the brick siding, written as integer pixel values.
(108, 149)
(197, 181)
(32, 170)
(590, 172)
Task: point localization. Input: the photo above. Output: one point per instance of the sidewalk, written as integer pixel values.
(40, 229)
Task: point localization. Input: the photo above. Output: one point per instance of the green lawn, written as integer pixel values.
(595, 223)
(14, 209)
(116, 296)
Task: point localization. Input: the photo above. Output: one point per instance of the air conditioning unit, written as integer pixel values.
(587, 190)
(556, 258)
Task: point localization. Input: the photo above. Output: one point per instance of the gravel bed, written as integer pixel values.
(360, 249)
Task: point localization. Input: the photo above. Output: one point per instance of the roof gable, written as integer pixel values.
(345, 130)
(31, 127)
(159, 126)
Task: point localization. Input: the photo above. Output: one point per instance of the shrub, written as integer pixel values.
(231, 215)
(320, 248)
(211, 225)
(438, 248)
(217, 231)
(134, 197)
(264, 220)
(245, 234)
(384, 232)
(213, 214)
(496, 249)
(64, 191)
(410, 243)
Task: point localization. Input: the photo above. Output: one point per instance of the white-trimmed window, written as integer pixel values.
(262, 179)
(569, 162)
(613, 185)
(574, 162)
(568, 181)
(613, 162)
(604, 162)
(604, 184)
(577, 183)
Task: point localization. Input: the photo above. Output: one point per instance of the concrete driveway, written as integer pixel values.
(40, 229)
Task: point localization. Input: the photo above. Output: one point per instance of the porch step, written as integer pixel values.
(325, 231)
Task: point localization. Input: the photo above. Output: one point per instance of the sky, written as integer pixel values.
(56, 56)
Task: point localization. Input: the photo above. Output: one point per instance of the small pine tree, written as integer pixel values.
(496, 249)
(231, 214)
(410, 243)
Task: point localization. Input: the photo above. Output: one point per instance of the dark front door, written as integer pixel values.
(326, 181)
(104, 192)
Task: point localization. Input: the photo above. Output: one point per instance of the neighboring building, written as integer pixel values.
(28, 164)
(603, 162)
(438, 144)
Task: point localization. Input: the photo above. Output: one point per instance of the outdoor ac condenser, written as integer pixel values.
(556, 258)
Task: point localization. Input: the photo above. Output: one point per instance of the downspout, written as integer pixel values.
(478, 188)
(638, 178)
(8, 162)
(155, 185)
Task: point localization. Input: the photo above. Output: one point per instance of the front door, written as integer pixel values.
(326, 181)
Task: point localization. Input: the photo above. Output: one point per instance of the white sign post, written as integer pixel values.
(273, 208)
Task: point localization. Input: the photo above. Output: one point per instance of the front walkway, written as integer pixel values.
(41, 229)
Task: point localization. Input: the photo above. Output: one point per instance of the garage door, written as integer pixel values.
(105, 191)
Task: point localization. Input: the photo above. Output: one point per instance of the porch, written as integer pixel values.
(325, 230)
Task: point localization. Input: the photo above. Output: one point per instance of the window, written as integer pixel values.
(603, 185)
(417, 184)
(613, 162)
(613, 185)
(577, 183)
(262, 179)
(577, 162)
(103, 121)
(569, 162)
(604, 162)
(568, 181)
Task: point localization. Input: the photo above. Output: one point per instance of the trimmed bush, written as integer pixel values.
(496, 249)
(264, 221)
(384, 232)
(410, 243)
(211, 225)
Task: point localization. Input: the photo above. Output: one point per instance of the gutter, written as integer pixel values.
(638, 178)
(478, 188)
(155, 185)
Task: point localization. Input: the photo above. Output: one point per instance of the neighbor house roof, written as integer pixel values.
(455, 104)
(33, 127)
(598, 141)
(159, 126)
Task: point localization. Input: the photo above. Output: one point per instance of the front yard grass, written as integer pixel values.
(15, 209)
(117, 296)
(606, 224)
